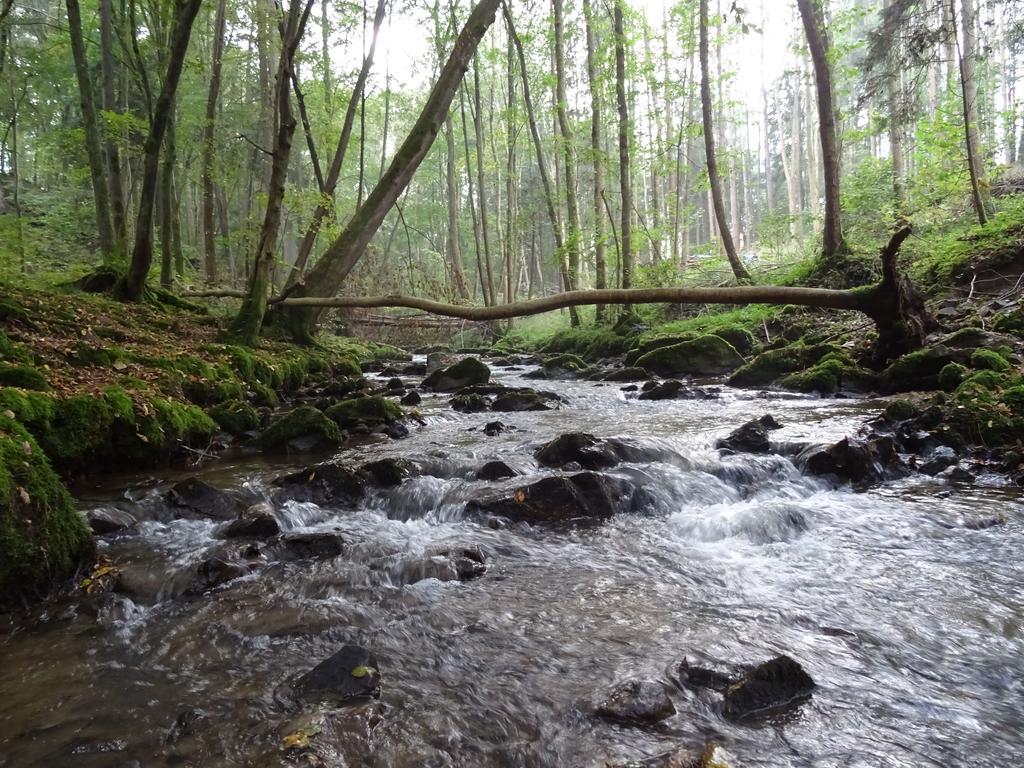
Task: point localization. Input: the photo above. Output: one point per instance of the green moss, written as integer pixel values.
(13, 352)
(704, 356)
(23, 376)
(982, 380)
(565, 361)
(301, 422)
(651, 344)
(966, 337)
(1010, 322)
(772, 364)
(364, 410)
(43, 539)
(592, 343)
(917, 370)
(211, 391)
(987, 360)
(951, 375)
(87, 354)
(464, 373)
(235, 416)
(264, 395)
(900, 410)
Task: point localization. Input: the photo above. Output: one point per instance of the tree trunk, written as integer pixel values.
(714, 182)
(343, 254)
(597, 151)
(892, 88)
(246, 326)
(969, 89)
(573, 236)
(114, 179)
(212, 97)
(166, 200)
(97, 172)
(481, 189)
(625, 131)
(334, 172)
(833, 243)
(452, 190)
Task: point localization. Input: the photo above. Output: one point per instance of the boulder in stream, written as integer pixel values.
(636, 701)
(524, 399)
(711, 755)
(303, 429)
(412, 398)
(495, 470)
(351, 673)
(196, 497)
(257, 521)
(751, 437)
(494, 428)
(768, 688)
(324, 484)
(309, 545)
(464, 373)
(470, 403)
(589, 452)
(583, 497)
(387, 473)
(704, 356)
(104, 520)
(217, 570)
(851, 460)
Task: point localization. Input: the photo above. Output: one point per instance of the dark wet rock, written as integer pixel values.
(257, 521)
(364, 411)
(577, 447)
(495, 470)
(395, 384)
(351, 673)
(199, 498)
(411, 398)
(636, 701)
(472, 403)
(957, 475)
(106, 520)
(324, 484)
(345, 386)
(494, 428)
(387, 473)
(588, 452)
(942, 457)
(751, 437)
(984, 523)
(525, 399)
(698, 676)
(661, 390)
(630, 388)
(443, 564)
(464, 373)
(561, 366)
(586, 496)
(396, 431)
(647, 386)
(770, 687)
(414, 369)
(185, 725)
(311, 545)
(710, 756)
(856, 461)
(625, 374)
(217, 570)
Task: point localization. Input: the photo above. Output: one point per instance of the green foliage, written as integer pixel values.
(867, 198)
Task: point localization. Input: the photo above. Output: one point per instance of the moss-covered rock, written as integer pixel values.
(900, 410)
(23, 376)
(917, 370)
(772, 364)
(465, 373)
(832, 373)
(305, 423)
(1010, 322)
(987, 360)
(591, 343)
(13, 352)
(741, 339)
(704, 356)
(371, 411)
(951, 376)
(235, 417)
(43, 539)
(651, 344)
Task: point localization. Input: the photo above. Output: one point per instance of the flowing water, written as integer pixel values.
(908, 618)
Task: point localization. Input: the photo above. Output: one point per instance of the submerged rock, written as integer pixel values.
(201, 498)
(386, 473)
(768, 688)
(324, 484)
(217, 570)
(470, 403)
(312, 545)
(364, 412)
(411, 398)
(464, 373)
(586, 496)
(856, 461)
(697, 676)
(630, 373)
(256, 521)
(589, 452)
(106, 520)
(495, 470)
(710, 756)
(351, 673)
(494, 428)
(636, 701)
(524, 399)
(751, 437)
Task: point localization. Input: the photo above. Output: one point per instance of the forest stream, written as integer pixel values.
(898, 601)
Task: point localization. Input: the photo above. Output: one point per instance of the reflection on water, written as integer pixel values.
(907, 618)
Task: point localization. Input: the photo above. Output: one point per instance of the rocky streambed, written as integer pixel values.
(556, 573)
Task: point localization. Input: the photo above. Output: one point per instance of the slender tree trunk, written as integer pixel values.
(167, 204)
(454, 247)
(97, 172)
(209, 150)
(134, 283)
(343, 254)
(813, 190)
(114, 178)
(511, 230)
(833, 243)
(656, 149)
(625, 132)
(573, 236)
(892, 88)
(597, 151)
(969, 90)
(481, 274)
(334, 172)
(246, 326)
(481, 189)
(714, 182)
(325, 55)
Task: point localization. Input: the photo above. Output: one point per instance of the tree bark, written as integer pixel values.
(481, 190)
(625, 131)
(574, 235)
(212, 97)
(343, 254)
(246, 326)
(114, 179)
(969, 90)
(597, 152)
(166, 199)
(833, 243)
(134, 284)
(97, 172)
(714, 182)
